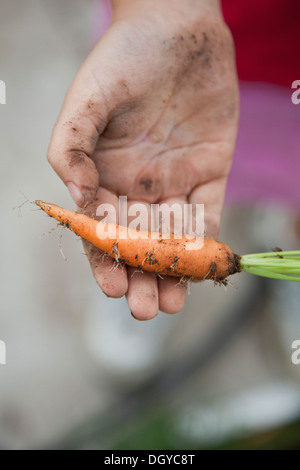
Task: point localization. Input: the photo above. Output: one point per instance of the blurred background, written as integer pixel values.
(81, 373)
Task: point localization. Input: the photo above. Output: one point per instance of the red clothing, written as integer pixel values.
(267, 39)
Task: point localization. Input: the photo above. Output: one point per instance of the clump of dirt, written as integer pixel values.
(234, 264)
(150, 258)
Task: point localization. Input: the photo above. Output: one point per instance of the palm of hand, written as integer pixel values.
(165, 131)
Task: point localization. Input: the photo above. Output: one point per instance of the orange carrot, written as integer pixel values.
(152, 252)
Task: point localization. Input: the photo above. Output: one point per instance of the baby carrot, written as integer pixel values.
(151, 251)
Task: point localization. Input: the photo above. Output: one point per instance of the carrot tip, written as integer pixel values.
(43, 205)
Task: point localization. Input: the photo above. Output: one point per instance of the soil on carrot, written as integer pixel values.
(216, 262)
(175, 263)
(150, 258)
(278, 250)
(234, 263)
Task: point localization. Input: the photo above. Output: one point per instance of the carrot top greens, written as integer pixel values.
(284, 265)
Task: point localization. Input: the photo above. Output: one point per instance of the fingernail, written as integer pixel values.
(76, 194)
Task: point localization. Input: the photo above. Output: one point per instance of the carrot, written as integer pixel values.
(167, 255)
(151, 252)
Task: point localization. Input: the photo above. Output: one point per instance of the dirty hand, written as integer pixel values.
(152, 114)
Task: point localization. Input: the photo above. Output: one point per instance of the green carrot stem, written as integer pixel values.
(283, 265)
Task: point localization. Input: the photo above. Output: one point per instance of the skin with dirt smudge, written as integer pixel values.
(152, 114)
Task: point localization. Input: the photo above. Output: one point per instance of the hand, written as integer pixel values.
(152, 114)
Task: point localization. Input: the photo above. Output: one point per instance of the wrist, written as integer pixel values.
(174, 9)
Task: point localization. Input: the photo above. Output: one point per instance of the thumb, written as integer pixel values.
(75, 137)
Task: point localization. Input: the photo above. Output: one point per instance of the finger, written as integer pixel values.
(87, 109)
(110, 277)
(171, 295)
(142, 295)
(212, 195)
(83, 117)
(109, 274)
(73, 141)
